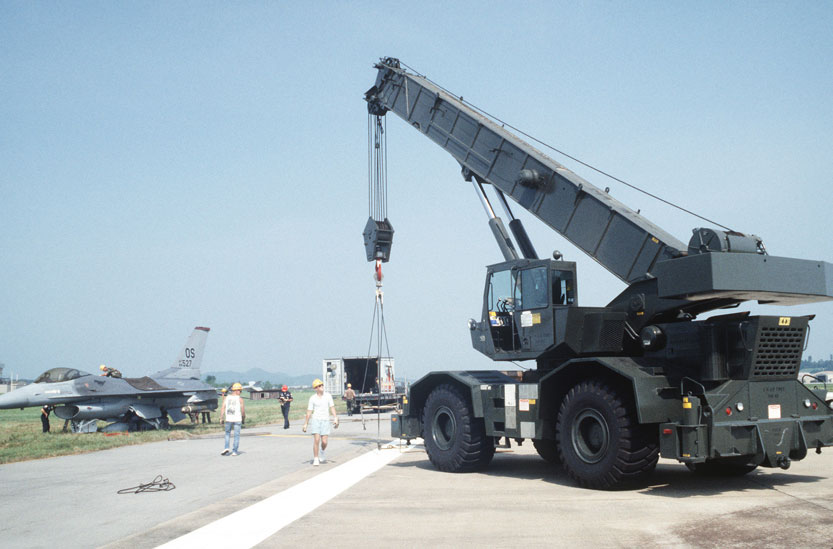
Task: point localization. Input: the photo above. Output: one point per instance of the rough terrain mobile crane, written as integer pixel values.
(614, 386)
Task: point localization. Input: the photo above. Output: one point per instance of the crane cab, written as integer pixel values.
(522, 302)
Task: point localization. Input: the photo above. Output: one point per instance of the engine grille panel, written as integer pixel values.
(778, 352)
(611, 335)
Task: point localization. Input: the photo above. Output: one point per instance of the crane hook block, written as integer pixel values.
(378, 238)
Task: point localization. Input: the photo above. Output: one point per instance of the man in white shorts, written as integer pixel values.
(319, 404)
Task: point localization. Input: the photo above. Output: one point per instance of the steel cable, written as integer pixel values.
(159, 484)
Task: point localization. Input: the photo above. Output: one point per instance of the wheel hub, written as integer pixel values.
(590, 436)
(444, 427)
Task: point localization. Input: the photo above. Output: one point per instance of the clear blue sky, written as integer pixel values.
(168, 165)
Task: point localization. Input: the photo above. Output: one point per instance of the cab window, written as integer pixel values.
(563, 290)
(532, 293)
(501, 291)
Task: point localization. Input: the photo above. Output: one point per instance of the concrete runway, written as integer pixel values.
(518, 501)
(72, 501)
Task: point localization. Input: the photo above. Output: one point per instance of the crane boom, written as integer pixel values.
(620, 239)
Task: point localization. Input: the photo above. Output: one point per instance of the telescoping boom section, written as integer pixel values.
(620, 239)
(616, 386)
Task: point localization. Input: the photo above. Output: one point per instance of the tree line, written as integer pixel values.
(810, 365)
(265, 385)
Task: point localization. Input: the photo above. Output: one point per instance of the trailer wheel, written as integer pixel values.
(600, 441)
(455, 440)
(548, 450)
(721, 468)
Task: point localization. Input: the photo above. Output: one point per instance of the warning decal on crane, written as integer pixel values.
(528, 319)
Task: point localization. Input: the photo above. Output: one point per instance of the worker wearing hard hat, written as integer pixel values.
(232, 415)
(109, 372)
(349, 397)
(319, 404)
(285, 396)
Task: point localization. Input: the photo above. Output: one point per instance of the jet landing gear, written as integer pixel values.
(132, 423)
(84, 426)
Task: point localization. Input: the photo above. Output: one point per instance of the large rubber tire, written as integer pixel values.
(600, 441)
(455, 440)
(548, 450)
(721, 468)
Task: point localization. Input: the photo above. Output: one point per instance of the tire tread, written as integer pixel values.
(637, 449)
(474, 450)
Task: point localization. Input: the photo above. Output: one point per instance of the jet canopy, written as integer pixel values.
(60, 374)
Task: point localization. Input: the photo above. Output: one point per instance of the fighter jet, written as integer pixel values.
(140, 403)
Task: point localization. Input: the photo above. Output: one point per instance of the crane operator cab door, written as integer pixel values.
(521, 303)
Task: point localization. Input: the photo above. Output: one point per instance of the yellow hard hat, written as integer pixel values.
(316, 383)
(102, 367)
(224, 389)
(236, 387)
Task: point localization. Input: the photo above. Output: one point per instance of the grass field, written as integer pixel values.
(21, 437)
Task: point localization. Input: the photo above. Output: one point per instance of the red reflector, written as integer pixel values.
(728, 411)
(667, 431)
(815, 406)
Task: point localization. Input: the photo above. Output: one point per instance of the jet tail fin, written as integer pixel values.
(187, 363)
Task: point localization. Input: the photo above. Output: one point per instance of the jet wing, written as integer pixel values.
(145, 384)
(146, 411)
(176, 414)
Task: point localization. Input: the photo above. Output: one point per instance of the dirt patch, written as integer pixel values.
(797, 524)
(180, 435)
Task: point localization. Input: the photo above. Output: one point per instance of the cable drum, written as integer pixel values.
(706, 240)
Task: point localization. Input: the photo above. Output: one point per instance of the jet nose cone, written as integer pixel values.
(14, 399)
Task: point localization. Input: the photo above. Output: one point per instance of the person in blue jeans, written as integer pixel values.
(232, 415)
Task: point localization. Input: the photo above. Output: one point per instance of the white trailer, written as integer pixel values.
(373, 381)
